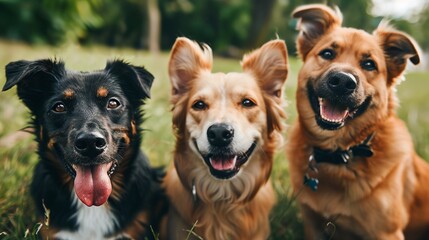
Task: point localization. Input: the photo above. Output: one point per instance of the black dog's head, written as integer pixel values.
(86, 123)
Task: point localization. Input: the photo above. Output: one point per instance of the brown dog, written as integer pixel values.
(351, 158)
(227, 127)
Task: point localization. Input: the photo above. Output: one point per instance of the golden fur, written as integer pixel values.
(385, 196)
(238, 207)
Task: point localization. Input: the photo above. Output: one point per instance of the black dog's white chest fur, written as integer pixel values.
(93, 223)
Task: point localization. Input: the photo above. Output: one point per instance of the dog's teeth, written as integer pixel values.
(327, 109)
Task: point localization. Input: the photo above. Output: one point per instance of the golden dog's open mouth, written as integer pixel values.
(224, 165)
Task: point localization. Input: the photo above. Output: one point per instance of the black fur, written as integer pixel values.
(66, 105)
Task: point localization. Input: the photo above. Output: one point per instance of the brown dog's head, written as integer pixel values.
(349, 75)
(226, 120)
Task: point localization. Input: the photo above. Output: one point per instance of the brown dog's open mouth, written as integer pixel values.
(225, 166)
(331, 113)
(92, 183)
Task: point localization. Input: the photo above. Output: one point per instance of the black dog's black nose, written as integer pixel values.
(220, 135)
(342, 83)
(90, 144)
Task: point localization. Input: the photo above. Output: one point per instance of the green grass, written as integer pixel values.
(17, 150)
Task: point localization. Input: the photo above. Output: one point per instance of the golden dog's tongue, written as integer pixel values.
(92, 184)
(222, 164)
(331, 112)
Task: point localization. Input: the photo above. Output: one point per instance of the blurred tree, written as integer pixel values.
(46, 21)
(223, 24)
(260, 19)
(124, 24)
(154, 26)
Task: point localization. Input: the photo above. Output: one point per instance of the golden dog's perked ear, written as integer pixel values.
(398, 48)
(269, 64)
(314, 20)
(187, 60)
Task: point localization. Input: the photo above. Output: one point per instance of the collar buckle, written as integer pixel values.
(194, 192)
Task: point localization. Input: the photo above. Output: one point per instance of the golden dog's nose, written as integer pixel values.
(220, 135)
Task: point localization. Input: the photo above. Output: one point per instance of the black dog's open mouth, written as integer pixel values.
(331, 114)
(225, 166)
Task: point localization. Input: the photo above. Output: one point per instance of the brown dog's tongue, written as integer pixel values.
(92, 184)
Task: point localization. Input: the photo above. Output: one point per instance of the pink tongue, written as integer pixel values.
(331, 112)
(223, 164)
(92, 184)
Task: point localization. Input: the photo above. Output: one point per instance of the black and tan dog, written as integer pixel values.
(364, 179)
(92, 176)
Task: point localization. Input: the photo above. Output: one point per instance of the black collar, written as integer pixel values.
(340, 156)
(337, 157)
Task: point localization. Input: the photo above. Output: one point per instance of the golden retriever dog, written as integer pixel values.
(352, 162)
(227, 128)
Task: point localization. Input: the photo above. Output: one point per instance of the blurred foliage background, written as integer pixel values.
(229, 26)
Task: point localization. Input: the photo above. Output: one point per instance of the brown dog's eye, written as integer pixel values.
(247, 103)
(113, 103)
(369, 65)
(59, 107)
(327, 54)
(199, 105)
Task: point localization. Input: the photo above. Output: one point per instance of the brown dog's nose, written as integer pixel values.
(90, 144)
(342, 83)
(220, 135)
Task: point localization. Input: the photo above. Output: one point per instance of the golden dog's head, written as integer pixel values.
(226, 121)
(348, 77)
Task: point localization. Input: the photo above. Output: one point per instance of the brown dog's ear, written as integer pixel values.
(187, 60)
(398, 48)
(314, 20)
(269, 64)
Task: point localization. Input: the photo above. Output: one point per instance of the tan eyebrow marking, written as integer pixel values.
(102, 92)
(68, 94)
(51, 143)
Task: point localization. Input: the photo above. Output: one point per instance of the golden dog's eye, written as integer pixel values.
(327, 54)
(59, 107)
(199, 105)
(247, 103)
(369, 65)
(113, 103)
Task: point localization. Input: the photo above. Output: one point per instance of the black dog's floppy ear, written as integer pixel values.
(34, 79)
(138, 80)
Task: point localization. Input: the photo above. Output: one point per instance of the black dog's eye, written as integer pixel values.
(247, 103)
(199, 105)
(327, 54)
(113, 103)
(59, 107)
(368, 65)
